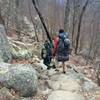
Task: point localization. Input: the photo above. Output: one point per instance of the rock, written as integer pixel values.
(64, 95)
(39, 63)
(46, 92)
(1, 60)
(64, 77)
(20, 77)
(38, 96)
(6, 95)
(51, 72)
(21, 54)
(40, 68)
(88, 85)
(43, 77)
(94, 94)
(68, 85)
(63, 82)
(97, 97)
(5, 54)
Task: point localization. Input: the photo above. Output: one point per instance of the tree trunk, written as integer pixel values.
(42, 21)
(79, 26)
(33, 21)
(5, 54)
(3, 22)
(74, 22)
(66, 20)
(73, 29)
(17, 20)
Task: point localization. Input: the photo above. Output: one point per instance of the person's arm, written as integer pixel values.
(42, 53)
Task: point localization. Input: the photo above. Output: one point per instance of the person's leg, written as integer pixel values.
(52, 64)
(57, 64)
(49, 62)
(45, 61)
(64, 67)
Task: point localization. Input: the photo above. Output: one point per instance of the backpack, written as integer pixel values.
(43, 52)
(64, 43)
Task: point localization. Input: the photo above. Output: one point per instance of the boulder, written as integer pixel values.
(20, 77)
(64, 95)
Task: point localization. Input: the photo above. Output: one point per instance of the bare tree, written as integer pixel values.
(35, 27)
(66, 20)
(79, 25)
(5, 54)
(76, 9)
(42, 21)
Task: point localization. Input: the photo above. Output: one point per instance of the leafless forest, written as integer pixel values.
(26, 24)
(80, 18)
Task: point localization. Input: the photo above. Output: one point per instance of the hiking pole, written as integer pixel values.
(42, 21)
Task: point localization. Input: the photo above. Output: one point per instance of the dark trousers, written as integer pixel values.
(47, 61)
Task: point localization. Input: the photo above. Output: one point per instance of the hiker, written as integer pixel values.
(55, 44)
(63, 48)
(46, 53)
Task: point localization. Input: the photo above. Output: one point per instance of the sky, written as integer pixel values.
(61, 1)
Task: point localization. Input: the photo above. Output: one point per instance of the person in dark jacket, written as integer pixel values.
(63, 49)
(47, 53)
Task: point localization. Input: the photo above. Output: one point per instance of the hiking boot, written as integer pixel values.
(57, 70)
(64, 72)
(48, 68)
(53, 66)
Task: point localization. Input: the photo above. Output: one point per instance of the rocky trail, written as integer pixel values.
(50, 85)
(29, 29)
(28, 79)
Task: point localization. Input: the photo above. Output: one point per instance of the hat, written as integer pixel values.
(57, 34)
